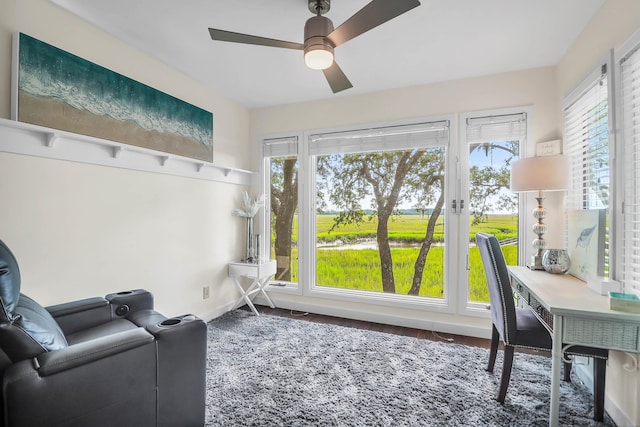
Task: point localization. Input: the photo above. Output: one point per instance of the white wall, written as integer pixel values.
(535, 88)
(81, 230)
(610, 28)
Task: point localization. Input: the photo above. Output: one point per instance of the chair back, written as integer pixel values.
(26, 328)
(503, 310)
(9, 282)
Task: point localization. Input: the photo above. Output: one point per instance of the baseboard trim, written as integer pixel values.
(616, 413)
(217, 312)
(387, 319)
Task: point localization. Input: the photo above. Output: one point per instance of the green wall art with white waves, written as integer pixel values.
(62, 91)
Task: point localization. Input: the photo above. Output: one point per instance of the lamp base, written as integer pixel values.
(536, 263)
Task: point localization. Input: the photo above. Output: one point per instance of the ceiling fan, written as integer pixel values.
(320, 38)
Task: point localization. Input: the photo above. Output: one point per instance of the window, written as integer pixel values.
(379, 219)
(493, 142)
(387, 209)
(281, 155)
(630, 153)
(586, 141)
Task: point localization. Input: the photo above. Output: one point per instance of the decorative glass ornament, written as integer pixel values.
(556, 261)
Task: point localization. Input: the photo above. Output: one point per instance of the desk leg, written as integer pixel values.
(556, 364)
(246, 294)
(263, 283)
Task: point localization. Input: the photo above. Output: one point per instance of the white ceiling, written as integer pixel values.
(437, 41)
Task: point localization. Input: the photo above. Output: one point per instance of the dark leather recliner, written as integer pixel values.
(110, 361)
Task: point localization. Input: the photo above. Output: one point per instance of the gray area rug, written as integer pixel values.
(274, 371)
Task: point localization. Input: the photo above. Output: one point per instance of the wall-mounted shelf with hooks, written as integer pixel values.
(24, 138)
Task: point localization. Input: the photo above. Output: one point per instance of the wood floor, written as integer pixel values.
(371, 326)
(398, 330)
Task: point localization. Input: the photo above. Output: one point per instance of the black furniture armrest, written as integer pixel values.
(73, 307)
(81, 314)
(79, 354)
(181, 339)
(125, 302)
(144, 318)
(86, 313)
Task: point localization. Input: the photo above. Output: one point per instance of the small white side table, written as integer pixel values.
(259, 273)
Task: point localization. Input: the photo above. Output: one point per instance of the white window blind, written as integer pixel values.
(379, 139)
(630, 73)
(586, 142)
(507, 127)
(280, 147)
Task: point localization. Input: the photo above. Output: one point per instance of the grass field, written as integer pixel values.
(359, 269)
(409, 229)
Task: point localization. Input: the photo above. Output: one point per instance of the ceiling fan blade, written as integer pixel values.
(229, 36)
(336, 78)
(373, 14)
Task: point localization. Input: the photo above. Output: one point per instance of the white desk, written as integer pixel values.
(573, 314)
(259, 273)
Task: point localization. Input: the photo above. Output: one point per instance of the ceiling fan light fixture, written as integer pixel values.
(318, 57)
(318, 51)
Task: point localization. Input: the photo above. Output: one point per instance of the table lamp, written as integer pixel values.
(538, 174)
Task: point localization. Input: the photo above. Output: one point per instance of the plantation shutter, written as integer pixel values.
(630, 266)
(433, 134)
(507, 127)
(280, 147)
(586, 144)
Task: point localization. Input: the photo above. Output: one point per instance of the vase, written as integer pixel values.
(249, 243)
(556, 261)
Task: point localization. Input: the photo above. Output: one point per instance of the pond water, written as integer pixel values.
(364, 244)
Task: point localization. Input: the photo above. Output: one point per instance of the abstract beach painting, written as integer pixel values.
(62, 91)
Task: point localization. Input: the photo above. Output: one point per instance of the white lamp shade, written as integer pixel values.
(546, 173)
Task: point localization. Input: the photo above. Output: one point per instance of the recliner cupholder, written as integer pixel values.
(170, 322)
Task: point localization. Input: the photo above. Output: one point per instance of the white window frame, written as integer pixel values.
(445, 304)
(293, 288)
(306, 226)
(526, 148)
(631, 46)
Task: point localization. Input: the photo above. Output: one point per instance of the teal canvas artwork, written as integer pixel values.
(62, 91)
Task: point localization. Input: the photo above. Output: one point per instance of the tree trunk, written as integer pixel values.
(282, 245)
(386, 261)
(418, 268)
(386, 204)
(284, 204)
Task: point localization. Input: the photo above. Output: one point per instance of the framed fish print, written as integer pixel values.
(586, 242)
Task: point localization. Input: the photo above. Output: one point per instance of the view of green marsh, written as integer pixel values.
(346, 257)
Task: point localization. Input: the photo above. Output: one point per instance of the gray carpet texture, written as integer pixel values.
(275, 371)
